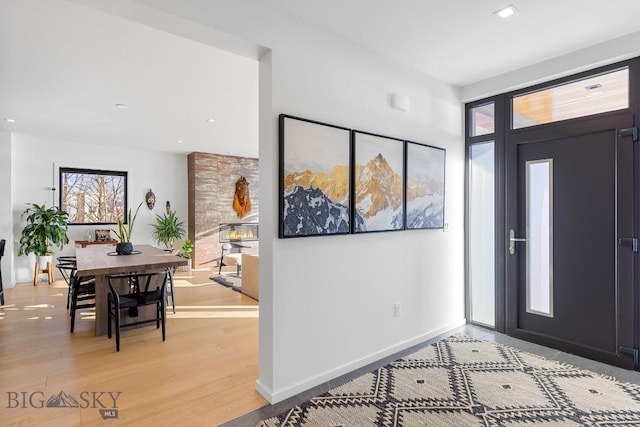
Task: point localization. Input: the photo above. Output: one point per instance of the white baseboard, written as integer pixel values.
(285, 393)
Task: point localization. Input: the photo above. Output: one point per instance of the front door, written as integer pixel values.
(570, 224)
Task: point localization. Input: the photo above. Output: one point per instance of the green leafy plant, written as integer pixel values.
(124, 231)
(168, 228)
(46, 227)
(187, 249)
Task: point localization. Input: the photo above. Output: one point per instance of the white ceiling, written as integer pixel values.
(63, 66)
(461, 41)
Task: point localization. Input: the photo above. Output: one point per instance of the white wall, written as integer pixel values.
(333, 296)
(36, 171)
(326, 304)
(6, 202)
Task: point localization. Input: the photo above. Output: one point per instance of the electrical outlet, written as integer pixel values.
(446, 226)
(396, 309)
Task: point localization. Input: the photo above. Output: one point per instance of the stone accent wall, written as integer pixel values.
(212, 180)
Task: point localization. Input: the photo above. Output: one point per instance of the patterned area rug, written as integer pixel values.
(462, 381)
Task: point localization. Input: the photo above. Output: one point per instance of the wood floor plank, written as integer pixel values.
(202, 375)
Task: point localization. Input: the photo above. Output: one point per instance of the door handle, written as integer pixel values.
(512, 241)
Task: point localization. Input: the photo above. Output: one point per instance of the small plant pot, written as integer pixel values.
(124, 248)
(186, 268)
(43, 261)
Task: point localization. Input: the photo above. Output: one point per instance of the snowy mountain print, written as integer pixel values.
(379, 195)
(425, 186)
(334, 184)
(316, 178)
(310, 212)
(379, 182)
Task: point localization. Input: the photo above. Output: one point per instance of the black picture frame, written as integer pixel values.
(378, 183)
(314, 178)
(425, 186)
(93, 196)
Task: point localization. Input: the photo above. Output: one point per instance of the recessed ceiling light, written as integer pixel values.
(122, 106)
(9, 120)
(179, 141)
(210, 120)
(506, 11)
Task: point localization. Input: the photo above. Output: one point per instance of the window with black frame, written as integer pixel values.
(92, 196)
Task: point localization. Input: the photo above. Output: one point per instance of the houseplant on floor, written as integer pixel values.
(46, 228)
(124, 246)
(167, 229)
(185, 252)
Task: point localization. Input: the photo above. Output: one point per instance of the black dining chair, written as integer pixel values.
(67, 267)
(149, 288)
(2, 243)
(83, 295)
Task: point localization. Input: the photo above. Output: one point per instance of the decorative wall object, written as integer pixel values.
(241, 198)
(314, 178)
(92, 196)
(150, 198)
(379, 180)
(425, 186)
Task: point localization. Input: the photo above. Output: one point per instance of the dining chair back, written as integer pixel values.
(140, 289)
(83, 295)
(67, 267)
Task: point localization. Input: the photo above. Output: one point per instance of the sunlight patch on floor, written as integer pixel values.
(216, 315)
(216, 312)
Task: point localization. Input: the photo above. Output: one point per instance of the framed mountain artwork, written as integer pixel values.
(378, 183)
(314, 178)
(425, 186)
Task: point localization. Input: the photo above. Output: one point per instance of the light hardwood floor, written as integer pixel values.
(202, 375)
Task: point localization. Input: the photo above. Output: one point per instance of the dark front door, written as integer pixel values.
(569, 260)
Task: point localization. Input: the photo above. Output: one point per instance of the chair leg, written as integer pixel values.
(171, 290)
(117, 316)
(1, 289)
(109, 316)
(163, 314)
(74, 302)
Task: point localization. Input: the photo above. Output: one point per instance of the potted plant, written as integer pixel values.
(167, 229)
(185, 252)
(46, 227)
(124, 246)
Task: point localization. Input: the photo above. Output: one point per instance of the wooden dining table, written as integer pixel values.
(101, 261)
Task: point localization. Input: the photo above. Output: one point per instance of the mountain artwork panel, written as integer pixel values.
(314, 178)
(425, 186)
(379, 176)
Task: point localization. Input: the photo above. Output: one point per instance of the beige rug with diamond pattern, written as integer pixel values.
(462, 381)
